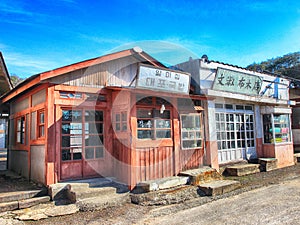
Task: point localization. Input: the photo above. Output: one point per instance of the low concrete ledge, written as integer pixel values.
(8, 206)
(26, 203)
(267, 164)
(242, 169)
(219, 187)
(201, 175)
(160, 184)
(297, 158)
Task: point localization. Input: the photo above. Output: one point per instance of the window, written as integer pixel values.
(121, 121)
(276, 128)
(41, 124)
(153, 124)
(70, 95)
(235, 130)
(21, 130)
(191, 131)
(93, 134)
(82, 130)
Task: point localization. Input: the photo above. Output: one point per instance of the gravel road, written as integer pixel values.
(276, 204)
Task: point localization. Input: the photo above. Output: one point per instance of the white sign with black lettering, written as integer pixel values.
(164, 80)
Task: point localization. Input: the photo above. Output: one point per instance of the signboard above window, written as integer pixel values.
(158, 79)
(237, 82)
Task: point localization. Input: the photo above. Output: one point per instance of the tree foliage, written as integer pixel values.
(287, 65)
(15, 79)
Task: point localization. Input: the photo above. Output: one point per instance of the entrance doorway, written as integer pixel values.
(235, 133)
(82, 149)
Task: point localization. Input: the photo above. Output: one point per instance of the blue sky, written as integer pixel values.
(40, 35)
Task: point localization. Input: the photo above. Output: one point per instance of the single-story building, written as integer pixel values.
(247, 113)
(122, 115)
(5, 86)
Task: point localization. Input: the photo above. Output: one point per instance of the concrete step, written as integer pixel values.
(27, 203)
(92, 192)
(267, 164)
(201, 175)
(75, 191)
(297, 158)
(242, 169)
(219, 187)
(19, 195)
(22, 204)
(160, 184)
(98, 203)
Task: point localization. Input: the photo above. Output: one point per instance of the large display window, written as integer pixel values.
(276, 128)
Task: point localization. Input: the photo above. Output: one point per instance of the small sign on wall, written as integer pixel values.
(237, 82)
(154, 78)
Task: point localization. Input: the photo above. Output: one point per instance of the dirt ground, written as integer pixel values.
(136, 214)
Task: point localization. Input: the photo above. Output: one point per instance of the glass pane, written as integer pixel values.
(66, 154)
(165, 115)
(99, 152)
(71, 141)
(89, 153)
(72, 128)
(124, 126)
(142, 113)
(145, 134)
(118, 117)
(162, 124)
(93, 128)
(71, 115)
(93, 115)
(163, 134)
(145, 123)
(42, 117)
(118, 127)
(124, 116)
(41, 131)
(93, 140)
(77, 156)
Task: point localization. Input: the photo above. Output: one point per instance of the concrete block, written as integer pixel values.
(296, 158)
(26, 203)
(160, 184)
(219, 187)
(267, 164)
(8, 206)
(18, 195)
(242, 169)
(201, 175)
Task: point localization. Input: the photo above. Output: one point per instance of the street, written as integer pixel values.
(276, 204)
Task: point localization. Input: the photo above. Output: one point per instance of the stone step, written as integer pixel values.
(26, 203)
(80, 193)
(160, 184)
(201, 175)
(98, 203)
(75, 191)
(296, 158)
(19, 195)
(267, 164)
(22, 204)
(242, 169)
(219, 187)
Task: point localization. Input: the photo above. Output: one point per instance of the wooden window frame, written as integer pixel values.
(83, 147)
(40, 124)
(21, 130)
(120, 122)
(152, 127)
(190, 134)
